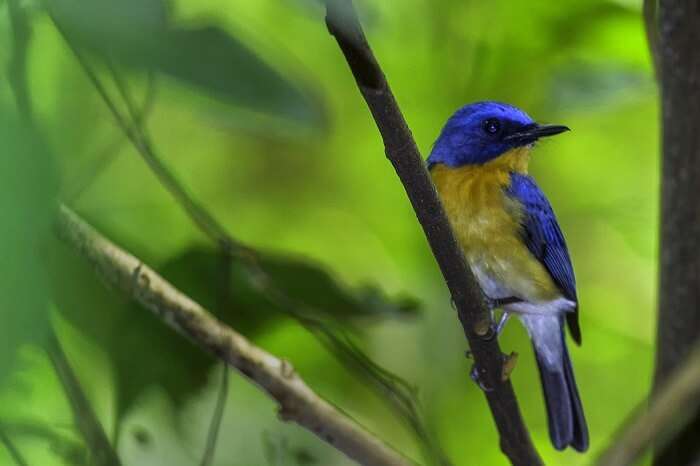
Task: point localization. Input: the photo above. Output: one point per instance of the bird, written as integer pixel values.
(513, 244)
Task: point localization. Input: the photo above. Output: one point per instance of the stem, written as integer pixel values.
(85, 419)
(12, 448)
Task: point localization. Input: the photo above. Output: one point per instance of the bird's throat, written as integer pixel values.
(515, 160)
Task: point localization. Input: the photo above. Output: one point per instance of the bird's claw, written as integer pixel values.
(509, 363)
(502, 323)
(488, 330)
(476, 377)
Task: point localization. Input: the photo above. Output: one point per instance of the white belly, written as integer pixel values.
(495, 289)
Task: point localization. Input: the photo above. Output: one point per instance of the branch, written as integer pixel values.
(670, 411)
(276, 377)
(402, 152)
(83, 414)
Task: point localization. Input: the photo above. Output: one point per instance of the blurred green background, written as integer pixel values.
(252, 107)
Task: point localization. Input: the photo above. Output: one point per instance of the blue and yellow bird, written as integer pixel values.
(513, 243)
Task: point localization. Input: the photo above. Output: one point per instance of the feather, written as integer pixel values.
(544, 239)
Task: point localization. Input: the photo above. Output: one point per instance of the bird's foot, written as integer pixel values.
(488, 330)
(509, 362)
(494, 329)
(476, 375)
(502, 323)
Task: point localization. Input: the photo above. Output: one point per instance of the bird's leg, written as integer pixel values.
(502, 323)
(493, 304)
(494, 331)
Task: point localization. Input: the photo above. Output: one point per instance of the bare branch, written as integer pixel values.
(402, 152)
(276, 377)
(85, 419)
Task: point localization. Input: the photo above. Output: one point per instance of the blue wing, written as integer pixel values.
(544, 239)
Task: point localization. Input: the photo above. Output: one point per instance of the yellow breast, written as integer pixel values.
(474, 199)
(487, 222)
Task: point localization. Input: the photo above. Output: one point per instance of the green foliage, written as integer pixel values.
(27, 178)
(128, 333)
(141, 34)
(232, 86)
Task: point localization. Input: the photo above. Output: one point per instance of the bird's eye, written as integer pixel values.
(492, 125)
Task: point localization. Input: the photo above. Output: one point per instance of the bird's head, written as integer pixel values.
(482, 131)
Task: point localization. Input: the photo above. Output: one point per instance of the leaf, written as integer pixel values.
(139, 34)
(145, 352)
(29, 186)
(196, 271)
(312, 284)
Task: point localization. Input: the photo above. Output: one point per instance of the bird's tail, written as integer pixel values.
(567, 424)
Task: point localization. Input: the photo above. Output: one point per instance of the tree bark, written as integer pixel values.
(679, 291)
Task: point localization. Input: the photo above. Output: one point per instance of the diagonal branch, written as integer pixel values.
(276, 377)
(402, 152)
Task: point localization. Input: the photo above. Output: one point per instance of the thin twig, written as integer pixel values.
(85, 419)
(12, 448)
(217, 416)
(276, 377)
(669, 412)
(223, 303)
(144, 147)
(402, 152)
(111, 151)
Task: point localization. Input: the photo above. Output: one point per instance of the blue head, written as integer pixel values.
(482, 131)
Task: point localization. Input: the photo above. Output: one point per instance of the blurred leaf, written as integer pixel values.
(28, 184)
(589, 86)
(145, 352)
(111, 26)
(138, 33)
(196, 271)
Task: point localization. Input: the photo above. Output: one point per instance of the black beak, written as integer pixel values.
(535, 131)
